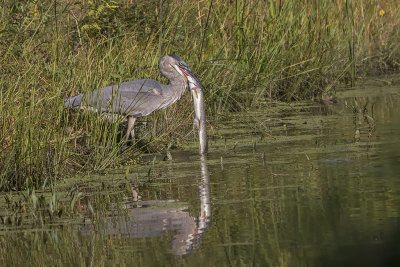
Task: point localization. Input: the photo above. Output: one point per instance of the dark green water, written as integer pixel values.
(295, 185)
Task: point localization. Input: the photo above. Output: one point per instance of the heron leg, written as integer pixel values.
(130, 132)
(131, 129)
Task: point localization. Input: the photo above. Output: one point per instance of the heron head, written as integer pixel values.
(181, 67)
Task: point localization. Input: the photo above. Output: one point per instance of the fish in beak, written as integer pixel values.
(193, 82)
(190, 77)
(196, 88)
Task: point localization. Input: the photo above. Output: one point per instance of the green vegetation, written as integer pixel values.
(246, 53)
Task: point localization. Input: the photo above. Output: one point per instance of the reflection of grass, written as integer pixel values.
(244, 53)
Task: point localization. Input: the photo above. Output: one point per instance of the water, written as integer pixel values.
(296, 185)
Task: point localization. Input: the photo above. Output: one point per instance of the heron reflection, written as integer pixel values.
(155, 218)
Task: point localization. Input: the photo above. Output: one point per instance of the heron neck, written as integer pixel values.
(176, 87)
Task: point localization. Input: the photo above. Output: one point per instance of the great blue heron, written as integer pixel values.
(139, 98)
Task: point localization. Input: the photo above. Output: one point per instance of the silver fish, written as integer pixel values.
(200, 115)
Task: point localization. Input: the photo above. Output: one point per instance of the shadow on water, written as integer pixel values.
(300, 184)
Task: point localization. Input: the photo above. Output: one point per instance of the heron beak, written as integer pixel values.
(190, 77)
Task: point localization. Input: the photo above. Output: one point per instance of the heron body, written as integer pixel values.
(139, 98)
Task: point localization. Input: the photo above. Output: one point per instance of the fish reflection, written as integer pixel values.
(155, 218)
(204, 220)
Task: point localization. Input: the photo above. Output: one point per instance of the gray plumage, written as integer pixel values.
(137, 98)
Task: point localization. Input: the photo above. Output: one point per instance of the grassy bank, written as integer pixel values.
(245, 52)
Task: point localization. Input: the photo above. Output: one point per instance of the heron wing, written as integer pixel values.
(137, 98)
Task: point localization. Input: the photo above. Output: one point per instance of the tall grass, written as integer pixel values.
(246, 53)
